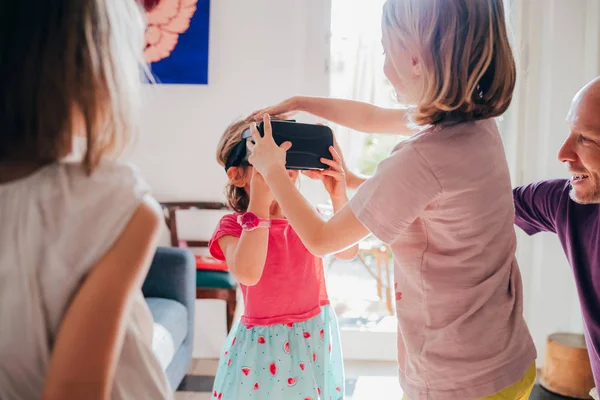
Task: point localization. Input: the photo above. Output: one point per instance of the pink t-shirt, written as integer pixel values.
(292, 287)
(443, 202)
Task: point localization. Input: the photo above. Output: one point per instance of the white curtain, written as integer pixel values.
(357, 64)
(557, 44)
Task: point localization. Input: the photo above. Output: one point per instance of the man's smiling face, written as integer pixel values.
(581, 150)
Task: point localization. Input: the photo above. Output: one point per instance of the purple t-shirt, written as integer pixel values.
(546, 207)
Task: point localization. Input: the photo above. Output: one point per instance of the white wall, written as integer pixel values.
(261, 52)
(558, 42)
(265, 50)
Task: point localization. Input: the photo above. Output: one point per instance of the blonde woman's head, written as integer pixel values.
(449, 59)
(69, 68)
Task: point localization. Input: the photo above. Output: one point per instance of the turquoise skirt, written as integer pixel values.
(296, 361)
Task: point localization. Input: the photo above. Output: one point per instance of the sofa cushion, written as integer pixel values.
(214, 280)
(170, 328)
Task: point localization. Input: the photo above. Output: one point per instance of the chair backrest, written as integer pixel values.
(191, 224)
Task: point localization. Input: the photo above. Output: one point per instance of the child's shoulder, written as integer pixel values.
(444, 143)
(230, 219)
(107, 176)
(228, 225)
(70, 185)
(72, 206)
(112, 188)
(460, 131)
(231, 216)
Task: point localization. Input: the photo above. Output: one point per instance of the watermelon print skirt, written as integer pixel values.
(301, 361)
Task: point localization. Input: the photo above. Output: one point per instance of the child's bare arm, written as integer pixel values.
(353, 181)
(351, 252)
(355, 115)
(334, 179)
(89, 342)
(246, 255)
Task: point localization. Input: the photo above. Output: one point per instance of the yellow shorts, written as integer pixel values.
(519, 391)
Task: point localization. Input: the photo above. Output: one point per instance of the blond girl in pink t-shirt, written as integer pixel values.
(442, 200)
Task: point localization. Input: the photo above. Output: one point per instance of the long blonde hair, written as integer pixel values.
(69, 65)
(468, 67)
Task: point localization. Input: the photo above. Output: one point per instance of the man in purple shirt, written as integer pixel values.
(571, 209)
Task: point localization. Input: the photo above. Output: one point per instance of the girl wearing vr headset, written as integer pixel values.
(286, 344)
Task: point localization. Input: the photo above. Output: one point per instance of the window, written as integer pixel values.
(362, 290)
(357, 73)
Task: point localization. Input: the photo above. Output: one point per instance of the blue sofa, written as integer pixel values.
(170, 290)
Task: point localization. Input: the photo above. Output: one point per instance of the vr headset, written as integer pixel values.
(310, 143)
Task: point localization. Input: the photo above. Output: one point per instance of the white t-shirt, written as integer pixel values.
(54, 226)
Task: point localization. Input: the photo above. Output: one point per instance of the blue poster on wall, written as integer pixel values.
(177, 40)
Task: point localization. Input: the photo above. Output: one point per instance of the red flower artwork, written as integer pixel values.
(166, 19)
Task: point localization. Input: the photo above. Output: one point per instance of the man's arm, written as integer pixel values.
(536, 205)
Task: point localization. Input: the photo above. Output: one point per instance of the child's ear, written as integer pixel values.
(417, 66)
(237, 177)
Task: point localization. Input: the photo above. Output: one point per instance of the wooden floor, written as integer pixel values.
(364, 379)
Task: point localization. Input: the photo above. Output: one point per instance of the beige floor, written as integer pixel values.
(192, 396)
(374, 380)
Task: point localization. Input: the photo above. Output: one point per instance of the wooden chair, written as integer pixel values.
(381, 254)
(219, 285)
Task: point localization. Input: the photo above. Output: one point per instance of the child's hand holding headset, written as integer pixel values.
(334, 178)
(265, 155)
